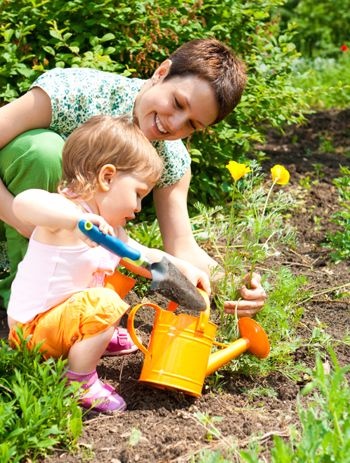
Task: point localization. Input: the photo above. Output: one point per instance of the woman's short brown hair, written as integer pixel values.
(106, 140)
(216, 63)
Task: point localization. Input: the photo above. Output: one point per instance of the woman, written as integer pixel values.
(196, 87)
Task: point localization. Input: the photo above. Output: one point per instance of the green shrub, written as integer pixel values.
(133, 37)
(321, 27)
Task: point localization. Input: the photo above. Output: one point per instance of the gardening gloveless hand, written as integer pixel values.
(253, 297)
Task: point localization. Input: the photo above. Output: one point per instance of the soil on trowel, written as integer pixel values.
(171, 283)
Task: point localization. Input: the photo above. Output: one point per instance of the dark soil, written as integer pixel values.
(160, 426)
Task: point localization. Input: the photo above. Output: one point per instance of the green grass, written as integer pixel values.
(322, 434)
(325, 81)
(38, 412)
(339, 241)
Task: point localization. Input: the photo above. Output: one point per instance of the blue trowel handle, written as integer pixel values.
(109, 242)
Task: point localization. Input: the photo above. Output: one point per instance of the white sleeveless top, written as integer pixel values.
(48, 275)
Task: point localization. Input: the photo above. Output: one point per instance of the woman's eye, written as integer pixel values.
(177, 104)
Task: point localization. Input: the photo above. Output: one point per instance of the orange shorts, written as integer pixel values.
(83, 315)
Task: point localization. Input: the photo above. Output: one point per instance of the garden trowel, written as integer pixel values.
(167, 279)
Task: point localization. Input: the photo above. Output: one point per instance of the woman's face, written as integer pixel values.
(175, 108)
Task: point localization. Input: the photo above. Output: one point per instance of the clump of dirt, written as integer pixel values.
(160, 426)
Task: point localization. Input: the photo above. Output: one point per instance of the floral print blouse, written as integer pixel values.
(77, 94)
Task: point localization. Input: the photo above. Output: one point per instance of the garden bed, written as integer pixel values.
(164, 427)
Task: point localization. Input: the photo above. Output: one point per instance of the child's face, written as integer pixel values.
(175, 108)
(122, 200)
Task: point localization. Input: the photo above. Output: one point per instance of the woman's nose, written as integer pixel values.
(178, 121)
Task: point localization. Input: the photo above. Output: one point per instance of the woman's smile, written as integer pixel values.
(175, 108)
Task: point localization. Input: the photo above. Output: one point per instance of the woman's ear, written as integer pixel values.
(106, 175)
(162, 71)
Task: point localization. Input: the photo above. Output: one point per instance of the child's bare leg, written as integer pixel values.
(82, 359)
(85, 355)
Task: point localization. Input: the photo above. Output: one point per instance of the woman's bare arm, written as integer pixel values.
(30, 111)
(175, 226)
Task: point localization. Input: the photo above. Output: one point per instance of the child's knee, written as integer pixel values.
(104, 307)
(105, 297)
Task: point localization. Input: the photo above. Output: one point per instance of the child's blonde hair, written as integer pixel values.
(106, 140)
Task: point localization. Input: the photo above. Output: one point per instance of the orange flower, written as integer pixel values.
(237, 170)
(280, 175)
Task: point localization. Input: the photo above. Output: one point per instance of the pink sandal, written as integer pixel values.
(121, 343)
(101, 397)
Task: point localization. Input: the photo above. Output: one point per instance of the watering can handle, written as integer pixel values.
(204, 316)
(131, 328)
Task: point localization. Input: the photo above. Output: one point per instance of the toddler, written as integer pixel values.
(59, 297)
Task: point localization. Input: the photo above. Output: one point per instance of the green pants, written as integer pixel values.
(32, 160)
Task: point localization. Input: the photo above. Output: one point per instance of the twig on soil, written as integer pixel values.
(264, 438)
(325, 291)
(330, 301)
(297, 264)
(99, 418)
(297, 254)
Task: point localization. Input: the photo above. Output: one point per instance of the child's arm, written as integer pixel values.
(195, 275)
(44, 209)
(53, 212)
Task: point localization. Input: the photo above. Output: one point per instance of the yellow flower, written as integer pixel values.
(280, 175)
(237, 170)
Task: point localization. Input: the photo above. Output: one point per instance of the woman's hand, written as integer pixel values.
(196, 276)
(253, 298)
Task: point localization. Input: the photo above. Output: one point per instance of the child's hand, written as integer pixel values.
(102, 225)
(253, 298)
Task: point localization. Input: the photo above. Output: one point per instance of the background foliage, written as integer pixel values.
(321, 27)
(133, 37)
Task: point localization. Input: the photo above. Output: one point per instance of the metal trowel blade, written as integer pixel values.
(172, 284)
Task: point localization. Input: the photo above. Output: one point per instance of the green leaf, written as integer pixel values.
(107, 37)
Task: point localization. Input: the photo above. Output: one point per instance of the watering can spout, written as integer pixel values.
(253, 339)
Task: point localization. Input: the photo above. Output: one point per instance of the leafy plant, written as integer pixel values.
(322, 434)
(324, 81)
(325, 421)
(339, 241)
(37, 410)
(280, 318)
(253, 226)
(252, 229)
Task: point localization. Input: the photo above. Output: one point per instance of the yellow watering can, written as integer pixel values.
(179, 355)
